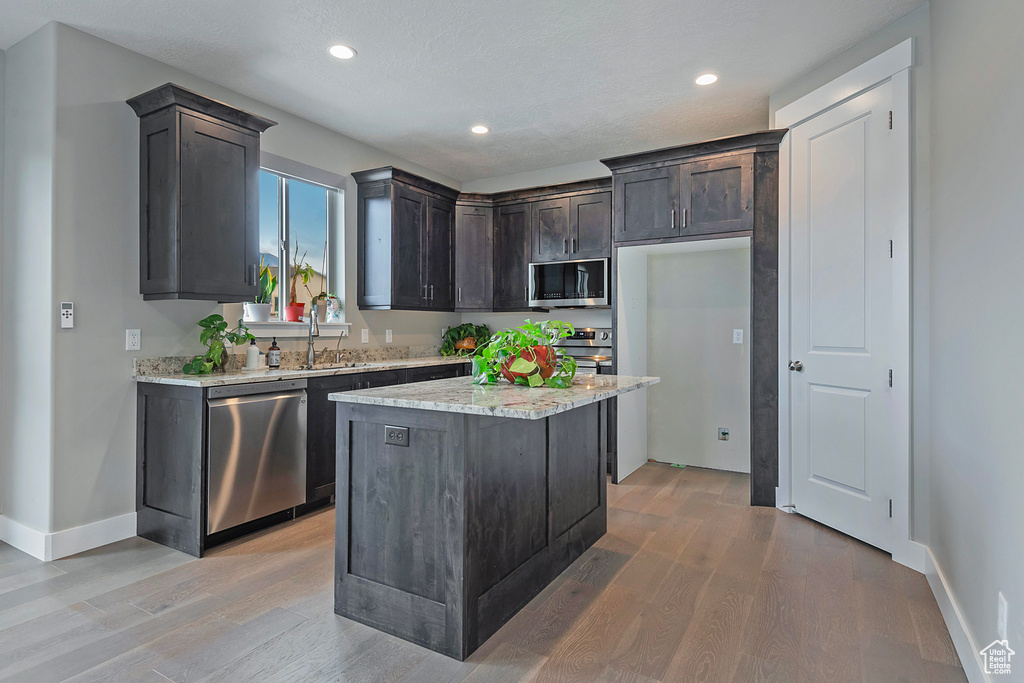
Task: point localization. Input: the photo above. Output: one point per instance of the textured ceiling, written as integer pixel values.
(557, 81)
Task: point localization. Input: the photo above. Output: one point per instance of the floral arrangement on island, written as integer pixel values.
(526, 356)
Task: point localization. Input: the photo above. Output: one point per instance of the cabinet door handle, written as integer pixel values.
(526, 292)
(255, 275)
(431, 292)
(574, 245)
(684, 218)
(673, 219)
(460, 295)
(425, 297)
(565, 246)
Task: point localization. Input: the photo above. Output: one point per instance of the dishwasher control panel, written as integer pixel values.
(254, 388)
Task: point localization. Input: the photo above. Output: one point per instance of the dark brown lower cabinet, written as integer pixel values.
(442, 540)
(171, 454)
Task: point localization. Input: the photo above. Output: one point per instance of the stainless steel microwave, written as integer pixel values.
(570, 283)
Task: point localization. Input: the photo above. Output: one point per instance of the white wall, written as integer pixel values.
(3, 300)
(631, 358)
(977, 298)
(26, 435)
(71, 223)
(914, 25)
(694, 302)
(584, 170)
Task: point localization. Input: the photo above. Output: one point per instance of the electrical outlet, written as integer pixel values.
(387, 336)
(1003, 618)
(133, 340)
(366, 336)
(723, 433)
(737, 336)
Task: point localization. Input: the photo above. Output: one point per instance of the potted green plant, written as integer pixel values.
(526, 356)
(259, 310)
(215, 335)
(463, 340)
(300, 269)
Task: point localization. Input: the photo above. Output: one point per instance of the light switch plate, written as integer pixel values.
(1002, 618)
(387, 336)
(737, 336)
(366, 336)
(67, 315)
(133, 340)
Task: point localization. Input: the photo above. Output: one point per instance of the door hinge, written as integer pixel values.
(890, 120)
(890, 377)
(890, 508)
(890, 248)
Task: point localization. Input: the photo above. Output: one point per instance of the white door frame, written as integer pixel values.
(894, 65)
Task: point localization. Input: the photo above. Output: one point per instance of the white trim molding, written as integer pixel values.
(864, 77)
(963, 640)
(892, 65)
(53, 546)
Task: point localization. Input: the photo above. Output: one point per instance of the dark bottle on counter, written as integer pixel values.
(274, 355)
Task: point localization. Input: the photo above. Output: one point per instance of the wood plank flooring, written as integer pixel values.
(689, 584)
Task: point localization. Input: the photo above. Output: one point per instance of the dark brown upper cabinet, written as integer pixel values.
(474, 256)
(717, 195)
(648, 204)
(406, 227)
(550, 230)
(590, 226)
(198, 196)
(512, 247)
(680, 193)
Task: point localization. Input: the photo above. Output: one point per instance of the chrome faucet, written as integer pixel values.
(314, 331)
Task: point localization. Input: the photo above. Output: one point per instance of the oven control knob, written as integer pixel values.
(604, 336)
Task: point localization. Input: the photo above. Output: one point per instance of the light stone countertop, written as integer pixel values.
(218, 379)
(460, 395)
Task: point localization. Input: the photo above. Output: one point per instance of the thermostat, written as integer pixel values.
(67, 314)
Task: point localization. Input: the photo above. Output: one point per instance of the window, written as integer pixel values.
(299, 226)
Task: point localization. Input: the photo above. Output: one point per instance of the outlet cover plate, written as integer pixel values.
(133, 340)
(396, 436)
(387, 336)
(737, 336)
(366, 336)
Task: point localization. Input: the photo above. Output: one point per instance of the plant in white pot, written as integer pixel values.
(259, 311)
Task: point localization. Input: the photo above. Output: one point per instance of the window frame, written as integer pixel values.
(285, 170)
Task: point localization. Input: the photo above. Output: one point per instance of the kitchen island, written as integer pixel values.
(458, 503)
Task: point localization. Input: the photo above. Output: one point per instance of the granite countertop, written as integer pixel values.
(460, 395)
(218, 379)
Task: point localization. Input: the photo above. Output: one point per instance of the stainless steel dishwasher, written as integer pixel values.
(257, 451)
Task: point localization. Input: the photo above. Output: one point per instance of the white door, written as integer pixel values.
(843, 203)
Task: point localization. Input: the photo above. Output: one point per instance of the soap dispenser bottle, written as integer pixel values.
(252, 356)
(274, 355)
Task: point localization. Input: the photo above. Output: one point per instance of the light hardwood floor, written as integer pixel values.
(689, 584)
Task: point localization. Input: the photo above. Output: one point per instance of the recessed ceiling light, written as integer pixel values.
(342, 52)
(480, 130)
(706, 79)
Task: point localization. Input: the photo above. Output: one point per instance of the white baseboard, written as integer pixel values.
(965, 644)
(53, 546)
(913, 555)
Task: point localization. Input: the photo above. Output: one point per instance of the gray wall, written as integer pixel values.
(914, 25)
(26, 435)
(694, 302)
(74, 148)
(3, 300)
(977, 300)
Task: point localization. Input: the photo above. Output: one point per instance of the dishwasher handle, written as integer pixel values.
(253, 388)
(255, 398)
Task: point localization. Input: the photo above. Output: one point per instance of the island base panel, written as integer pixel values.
(441, 541)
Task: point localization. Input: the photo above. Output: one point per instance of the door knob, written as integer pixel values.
(796, 366)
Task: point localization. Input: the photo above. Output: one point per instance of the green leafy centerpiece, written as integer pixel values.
(526, 356)
(215, 335)
(464, 340)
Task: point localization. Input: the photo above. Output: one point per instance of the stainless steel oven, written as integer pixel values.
(570, 284)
